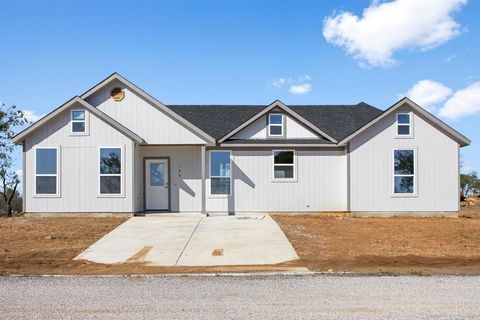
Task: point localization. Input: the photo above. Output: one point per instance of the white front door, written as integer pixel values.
(156, 184)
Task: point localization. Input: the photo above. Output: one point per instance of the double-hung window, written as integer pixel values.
(283, 165)
(110, 171)
(275, 125)
(220, 173)
(79, 121)
(404, 170)
(46, 171)
(404, 124)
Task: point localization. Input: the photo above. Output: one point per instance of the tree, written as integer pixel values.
(10, 117)
(469, 184)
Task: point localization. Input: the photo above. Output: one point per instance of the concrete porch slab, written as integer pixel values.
(194, 240)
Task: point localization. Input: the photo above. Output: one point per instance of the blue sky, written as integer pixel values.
(249, 52)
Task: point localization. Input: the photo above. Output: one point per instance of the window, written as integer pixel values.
(157, 175)
(46, 171)
(404, 171)
(220, 173)
(283, 164)
(404, 124)
(110, 171)
(79, 122)
(275, 124)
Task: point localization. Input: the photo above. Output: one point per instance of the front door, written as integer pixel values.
(156, 184)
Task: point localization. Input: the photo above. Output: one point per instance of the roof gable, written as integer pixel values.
(442, 126)
(277, 104)
(74, 101)
(151, 100)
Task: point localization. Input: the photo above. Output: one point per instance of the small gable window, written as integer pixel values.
(275, 125)
(404, 124)
(79, 121)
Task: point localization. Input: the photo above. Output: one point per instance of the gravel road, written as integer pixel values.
(268, 297)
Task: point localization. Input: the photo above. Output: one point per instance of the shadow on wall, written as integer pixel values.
(373, 131)
(237, 174)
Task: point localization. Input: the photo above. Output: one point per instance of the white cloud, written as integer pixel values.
(300, 88)
(449, 58)
(386, 27)
(297, 85)
(428, 93)
(464, 102)
(278, 82)
(32, 116)
(305, 78)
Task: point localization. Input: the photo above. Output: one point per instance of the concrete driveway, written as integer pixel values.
(194, 240)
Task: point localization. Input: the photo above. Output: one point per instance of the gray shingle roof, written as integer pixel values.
(338, 121)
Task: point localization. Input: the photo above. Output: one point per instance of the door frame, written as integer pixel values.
(145, 182)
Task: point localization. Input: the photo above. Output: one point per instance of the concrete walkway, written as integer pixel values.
(194, 240)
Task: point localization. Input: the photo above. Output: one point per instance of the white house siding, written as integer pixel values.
(185, 176)
(371, 169)
(153, 125)
(78, 167)
(258, 130)
(321, 183)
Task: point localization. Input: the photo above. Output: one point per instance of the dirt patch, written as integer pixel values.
(398, 244)
(32, 246)
(140, 255)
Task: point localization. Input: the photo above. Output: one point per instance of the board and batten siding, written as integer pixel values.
(150, 123)
(78, 167)
(185, 176)
(321, 183)
(371, 168)
(258, 130)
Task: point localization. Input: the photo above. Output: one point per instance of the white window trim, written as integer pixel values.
(294, 165)
(409, 124)
(282, 125)
(57, 175)
(414, 175)
(210, 195)
(121, 175)
(86, 121)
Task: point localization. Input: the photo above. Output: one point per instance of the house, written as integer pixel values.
(116, 149)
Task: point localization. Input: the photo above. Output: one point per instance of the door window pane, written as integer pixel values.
(157, 177)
